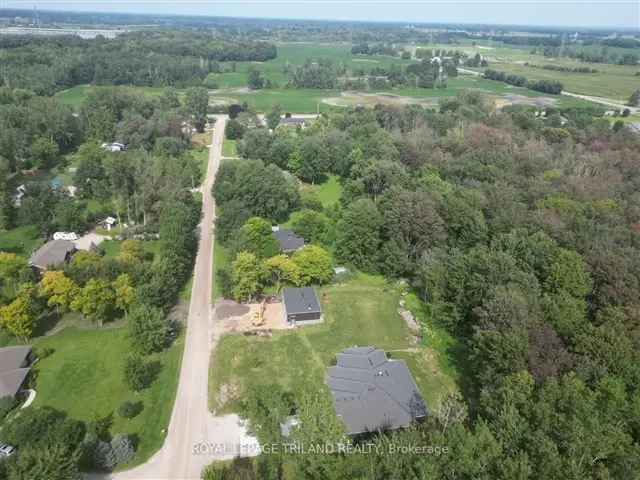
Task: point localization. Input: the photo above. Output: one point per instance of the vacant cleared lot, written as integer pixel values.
(362, 311)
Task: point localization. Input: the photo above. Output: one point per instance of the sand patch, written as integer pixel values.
(351, 99)
(513, 99)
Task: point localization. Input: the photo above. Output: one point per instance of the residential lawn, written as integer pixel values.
(21, 240)
(84, 378)
(328, 192)
(112, 247)
(362, 311)
(229, 148)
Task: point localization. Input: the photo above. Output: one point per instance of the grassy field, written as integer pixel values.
(229, 148)
(21, 240)
(328, 192)
(84, 378)
(614, 81)
(361, 312)
(76, 95)
(112, 248)
(291, 100)
(293, 54)
(611, 81)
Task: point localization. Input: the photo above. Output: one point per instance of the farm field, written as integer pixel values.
(617, 82)
(362, 311)
(611, 81)
(84, 378)
(293, 54)
(232, 85)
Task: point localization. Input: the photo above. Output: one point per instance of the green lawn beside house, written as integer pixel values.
(21, 240)
(362, 311)
(229, 148)
(84, 378)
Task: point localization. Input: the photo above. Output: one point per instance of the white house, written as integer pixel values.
(109, 223)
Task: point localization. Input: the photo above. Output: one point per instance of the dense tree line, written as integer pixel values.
(520, 236)
(560, 68)
(553, 87)
(154, 58)
(590, 54)
(375, 49)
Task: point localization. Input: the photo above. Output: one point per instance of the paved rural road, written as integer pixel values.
(195, 437)
(603, 101)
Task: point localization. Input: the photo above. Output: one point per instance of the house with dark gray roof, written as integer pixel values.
(293, 122)
(372, 393)
(14, 368)
(288, 241)
(52, 254)
(301, 306)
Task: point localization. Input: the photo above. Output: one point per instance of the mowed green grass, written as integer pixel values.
(229, 148)
(84, 378)
(362, 311)
(112, 248)
(21, 240)
(329, 192)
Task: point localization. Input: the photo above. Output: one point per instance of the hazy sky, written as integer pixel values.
(621, 13)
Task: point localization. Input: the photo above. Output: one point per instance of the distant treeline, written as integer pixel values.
(161, 58)
(559, 68)
(546, 86)
(621, 42)
(325, 74)
(378, 49)
(591, 55)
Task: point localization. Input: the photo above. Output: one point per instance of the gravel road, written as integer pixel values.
(195, 437)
